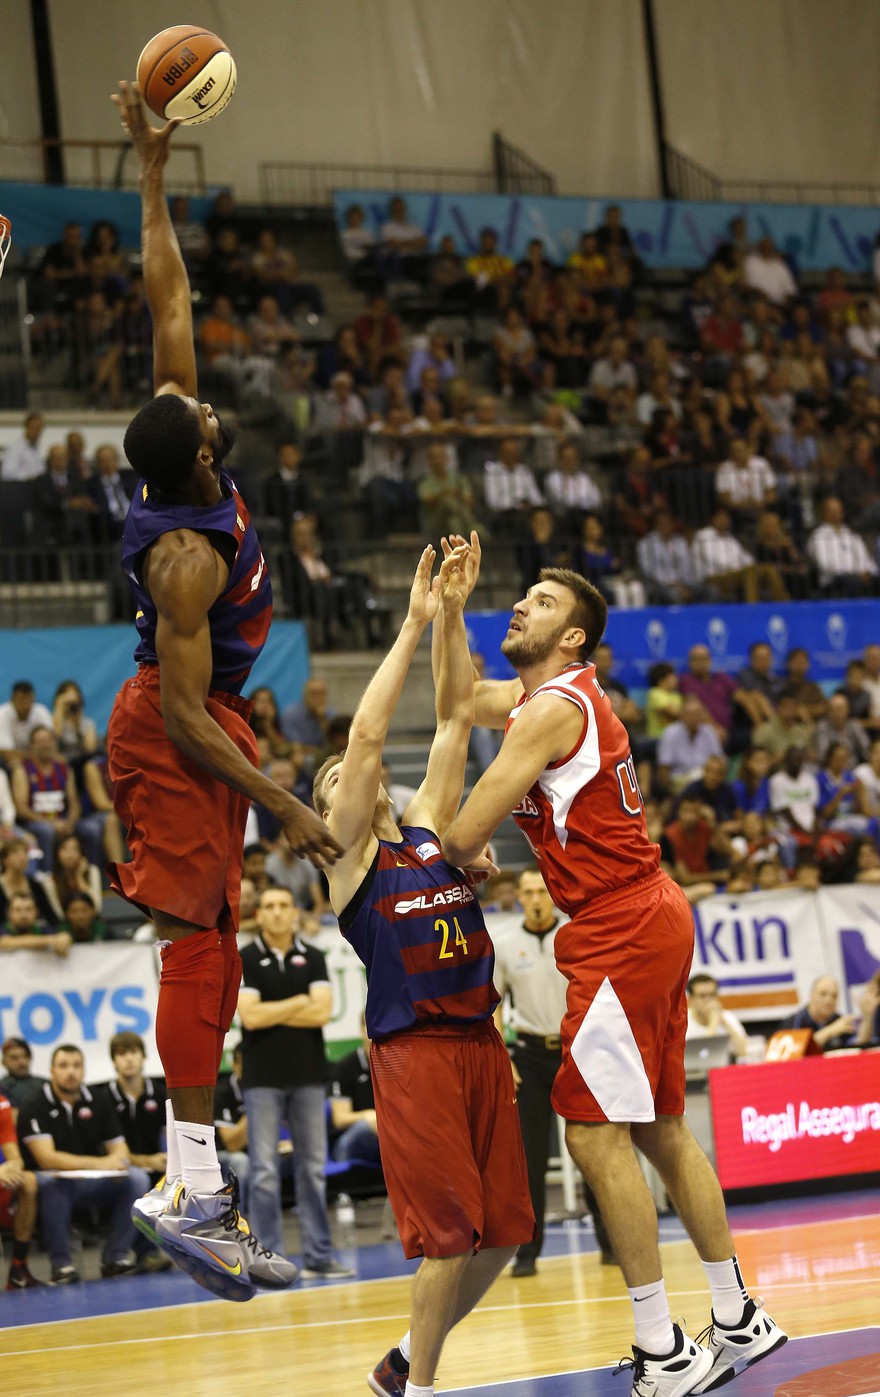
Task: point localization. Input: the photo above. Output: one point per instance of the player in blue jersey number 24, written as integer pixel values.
(445, 1102)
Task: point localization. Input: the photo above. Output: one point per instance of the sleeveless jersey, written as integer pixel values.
(419, 930)
(239, 619)
(48, 791)
(584, 816)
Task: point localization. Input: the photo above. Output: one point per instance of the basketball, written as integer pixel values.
(186, 74)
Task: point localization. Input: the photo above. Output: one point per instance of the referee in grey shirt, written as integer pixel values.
(525, 969)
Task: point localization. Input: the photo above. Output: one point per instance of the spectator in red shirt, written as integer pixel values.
(378, 332)
(721, 335)
(698, 850)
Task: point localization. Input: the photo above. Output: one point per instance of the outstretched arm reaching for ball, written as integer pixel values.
(165, 276)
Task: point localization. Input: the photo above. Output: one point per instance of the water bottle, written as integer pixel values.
(344, 1221)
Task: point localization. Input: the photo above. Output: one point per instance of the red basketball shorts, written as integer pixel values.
(449, 1134)
(627, 958)
(184, 829)
(7, 1207)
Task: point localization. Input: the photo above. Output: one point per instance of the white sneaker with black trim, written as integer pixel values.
(733, 1350)
(673, 1374)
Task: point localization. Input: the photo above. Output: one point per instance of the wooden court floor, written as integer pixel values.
(816, 1277)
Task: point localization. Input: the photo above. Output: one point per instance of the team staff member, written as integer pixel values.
(284, 1002)
(353, 1106)
(19, 1082)
(525, 969)
(18, 1187)
(66, 1130)
(566, 771)
(448, 1126)
(230, 1123)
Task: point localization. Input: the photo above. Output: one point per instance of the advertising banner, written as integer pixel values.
(764, 949)
(47, 655)
(779, 1122)
(833, 632)
(851, 918)
(673, 233)
(83, 998)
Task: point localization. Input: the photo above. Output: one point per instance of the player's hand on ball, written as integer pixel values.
(150, 144)
(474, 558)
(307, 834)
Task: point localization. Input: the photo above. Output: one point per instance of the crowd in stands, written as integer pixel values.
(719, 444)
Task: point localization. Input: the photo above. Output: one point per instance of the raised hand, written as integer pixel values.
(424, 596)
(150, 144)
(453, 579)
(472, 565)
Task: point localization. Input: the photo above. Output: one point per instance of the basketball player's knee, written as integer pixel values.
(594, 1146)
(661, 1140)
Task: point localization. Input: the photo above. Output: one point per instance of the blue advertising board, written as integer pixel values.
(665, 233)
(833, 632)
(100, 659)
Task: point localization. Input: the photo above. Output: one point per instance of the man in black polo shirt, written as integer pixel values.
(138, 1104)
(284, 1002)
(352, 1107)
(81, 1157)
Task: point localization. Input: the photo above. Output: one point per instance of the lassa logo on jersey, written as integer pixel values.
(527, 807)
(458, 895)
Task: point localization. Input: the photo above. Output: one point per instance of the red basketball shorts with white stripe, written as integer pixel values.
(627, 959)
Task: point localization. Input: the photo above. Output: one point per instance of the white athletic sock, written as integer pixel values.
(198, 1156)
(412, 1391)
(654, 1331)
(172, 1163)
(404, 1347)
(729, 1294)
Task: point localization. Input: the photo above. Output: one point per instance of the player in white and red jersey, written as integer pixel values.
(566, 772)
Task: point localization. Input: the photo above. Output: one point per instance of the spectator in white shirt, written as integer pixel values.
(871, 681)
(658, 395)
(358, 242)
(509, 487)
(745, 483)
(18, 718)
(794, 796)
(614, 371)
(707, 1018)
(664, 561)
(22, 459)
(863, 338)
(777, 403)
(766, 271)
(868, 773)
(571, 490)
(720, 561)
(844, 565)
(340, 409)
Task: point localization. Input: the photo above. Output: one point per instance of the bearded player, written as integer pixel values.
(181, 753)
(445, 1104)
(566, 772)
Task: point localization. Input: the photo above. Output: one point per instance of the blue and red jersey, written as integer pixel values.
(48, 789)
(239, 619)
(419, 930)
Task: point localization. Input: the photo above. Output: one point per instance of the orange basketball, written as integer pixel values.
(186, 74)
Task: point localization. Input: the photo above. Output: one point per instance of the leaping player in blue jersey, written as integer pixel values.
(445, 1101)
(181, 754)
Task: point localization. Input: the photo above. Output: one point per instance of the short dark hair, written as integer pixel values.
(67, 1048)
(162, 441)
(700, 979)
(250, 849)
(16, 1043)
(81, 897)
(23, 686)
(659, 671)
(589, 609)
(124, 1042)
